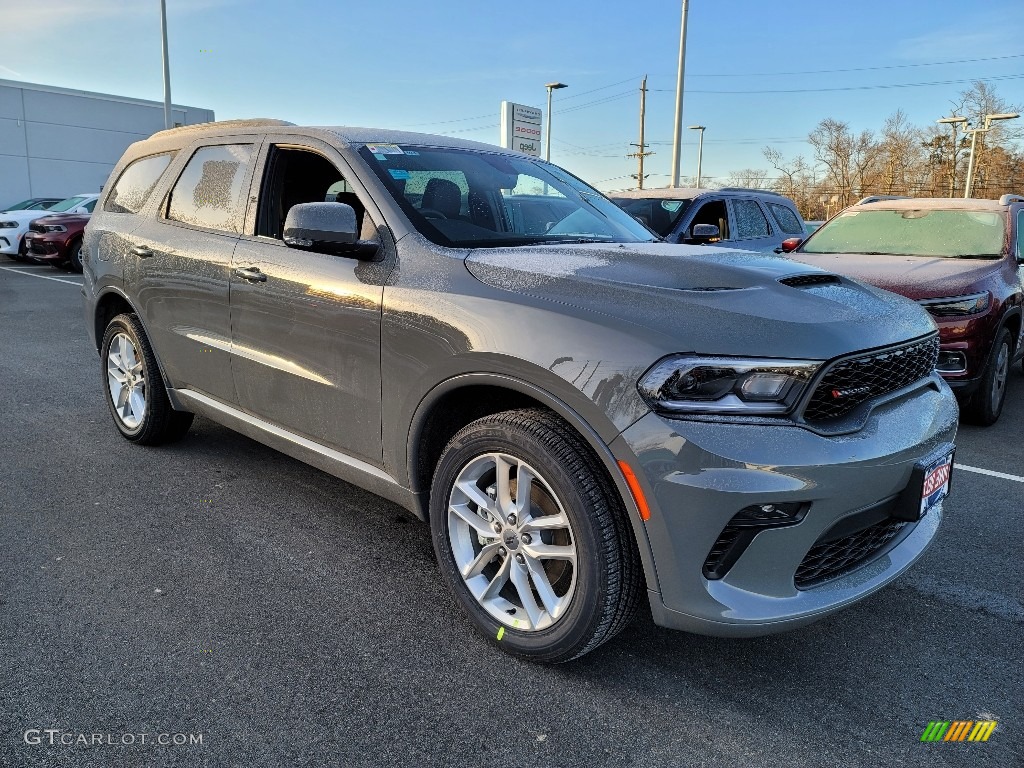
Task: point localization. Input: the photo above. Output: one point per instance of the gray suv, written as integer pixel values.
(751, 219)
(584, 415)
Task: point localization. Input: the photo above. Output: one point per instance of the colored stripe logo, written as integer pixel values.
(958, 730)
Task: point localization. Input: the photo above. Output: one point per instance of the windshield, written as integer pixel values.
(471, 199)
(67, 205)
(28, 205)
(659, 214)
(943, 234)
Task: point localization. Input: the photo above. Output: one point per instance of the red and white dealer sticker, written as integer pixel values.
(936, 482)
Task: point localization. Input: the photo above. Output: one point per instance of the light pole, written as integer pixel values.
(547, 134)
(989, 119)
(167, 65)
(677, 132)
(953, 122)
(700, 149)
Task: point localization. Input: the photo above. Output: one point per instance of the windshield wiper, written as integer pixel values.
(976, 256)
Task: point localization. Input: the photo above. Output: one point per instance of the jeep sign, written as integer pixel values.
(521, 128)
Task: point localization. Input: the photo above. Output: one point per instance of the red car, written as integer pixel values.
(57, 239)
(959, 259)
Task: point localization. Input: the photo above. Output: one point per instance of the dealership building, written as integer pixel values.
(58, 142)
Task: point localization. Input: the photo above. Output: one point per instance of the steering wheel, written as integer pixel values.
(431, 213)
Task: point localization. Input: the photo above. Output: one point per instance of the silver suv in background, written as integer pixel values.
(584, 415)
(751, 219)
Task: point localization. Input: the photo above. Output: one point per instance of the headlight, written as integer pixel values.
(958, 306)
(8, 225)
(745, 386)
(54, 228)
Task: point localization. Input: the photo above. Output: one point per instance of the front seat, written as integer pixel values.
(443, 196)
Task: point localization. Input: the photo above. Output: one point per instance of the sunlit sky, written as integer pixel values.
(444, 67)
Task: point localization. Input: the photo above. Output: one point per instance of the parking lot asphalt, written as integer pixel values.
(215, 587)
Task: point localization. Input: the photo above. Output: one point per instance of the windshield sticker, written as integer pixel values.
(385, 149)
(398, 173)
(379, 156)
(412, 152)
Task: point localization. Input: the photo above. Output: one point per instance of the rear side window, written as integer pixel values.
(750, 221)
(209, 193)
(787, 219)
(136, 183)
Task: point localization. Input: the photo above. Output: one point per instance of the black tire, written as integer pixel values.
(22, 254)
(159, 423)
(75, 256)
(607, 575)
(986, 403)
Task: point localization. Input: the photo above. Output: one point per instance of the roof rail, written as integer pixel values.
(259, 122)
(876, 198)
(1007, 199)
(749, 189)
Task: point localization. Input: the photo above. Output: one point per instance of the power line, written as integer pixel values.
(860, 69)
(851, 87)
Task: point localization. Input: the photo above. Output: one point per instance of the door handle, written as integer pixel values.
(142, 251)
(251, 274)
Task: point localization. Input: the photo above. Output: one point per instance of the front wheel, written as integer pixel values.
(134, 388)
(531, 536)
(75, 256)
(987, 403)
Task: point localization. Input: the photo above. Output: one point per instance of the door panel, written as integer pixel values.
(306, 344)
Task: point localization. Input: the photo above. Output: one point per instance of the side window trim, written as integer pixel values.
(187, 152)
(1020, 235)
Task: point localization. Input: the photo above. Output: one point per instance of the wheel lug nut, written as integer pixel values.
(520, 559)
(512, 519)
(527, 538)
(497, 527)
(502, 552)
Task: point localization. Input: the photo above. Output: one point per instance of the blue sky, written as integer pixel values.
(444, 67)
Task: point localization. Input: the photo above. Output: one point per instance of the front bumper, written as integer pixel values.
(45, 248)
(10, 240)
(698, 475)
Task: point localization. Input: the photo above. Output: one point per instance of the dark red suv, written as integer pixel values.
(57, 239)
(961, 260)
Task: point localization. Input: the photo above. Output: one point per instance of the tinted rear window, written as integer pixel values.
(658, 214)
(136, 183)
(788, 221)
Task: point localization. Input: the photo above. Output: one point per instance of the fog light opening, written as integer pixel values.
(952, 362)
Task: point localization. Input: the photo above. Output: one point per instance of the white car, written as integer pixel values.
(14, 224)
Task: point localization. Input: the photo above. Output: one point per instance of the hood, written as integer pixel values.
(709, 300)
(22, 217)
(916, 277)
(66, 219)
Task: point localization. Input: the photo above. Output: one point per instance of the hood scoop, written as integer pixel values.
(810, 280)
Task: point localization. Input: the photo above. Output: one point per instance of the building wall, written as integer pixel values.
(60, 142)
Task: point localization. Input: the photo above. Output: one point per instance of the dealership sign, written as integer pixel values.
(520, 128)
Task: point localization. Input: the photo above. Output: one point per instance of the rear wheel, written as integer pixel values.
(135, 390)
(987, 403)
(531, 536)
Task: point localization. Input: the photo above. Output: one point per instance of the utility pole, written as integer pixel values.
(167, 65)
(677, 133)
(640, 154)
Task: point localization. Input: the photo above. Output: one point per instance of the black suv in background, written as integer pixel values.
(751, 219)
(581, 411)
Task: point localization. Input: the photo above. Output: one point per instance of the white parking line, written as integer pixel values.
(41, 277)
(990, 473)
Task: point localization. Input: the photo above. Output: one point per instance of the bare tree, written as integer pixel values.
(901, 155)
(848, 158)
(751, 178)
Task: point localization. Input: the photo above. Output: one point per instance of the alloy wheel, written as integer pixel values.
(512, 541)
(126, 379)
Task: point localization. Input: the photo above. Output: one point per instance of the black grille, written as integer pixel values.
(721, 557)
(850, 382)
(805, 281)
(831, 559)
